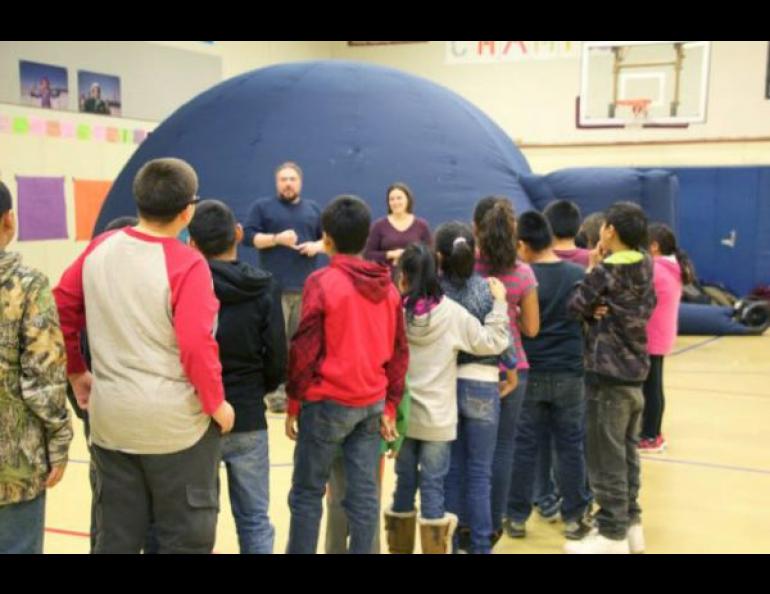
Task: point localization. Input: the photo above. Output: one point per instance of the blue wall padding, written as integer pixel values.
(596, 188)
(709, 320)
(713, 201)
(354, 128)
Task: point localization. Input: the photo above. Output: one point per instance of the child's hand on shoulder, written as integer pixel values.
(497, 288)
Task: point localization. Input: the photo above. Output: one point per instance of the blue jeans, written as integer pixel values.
(424, 465)
(554, 407)
(546, 492)
(324, 427)
(21, 527)
(469, 482)
(502, 466)
(248, 479)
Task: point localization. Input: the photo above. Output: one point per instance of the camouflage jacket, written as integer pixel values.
(616, 345)
(35, 426)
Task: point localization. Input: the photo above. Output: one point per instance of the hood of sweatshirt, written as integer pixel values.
(669, 264)
(235, 282)
(427, 328)
(371, 279)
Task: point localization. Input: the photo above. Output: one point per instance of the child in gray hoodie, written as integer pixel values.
(438, 328)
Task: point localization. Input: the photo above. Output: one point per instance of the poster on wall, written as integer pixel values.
(43, 85)
(98, 93)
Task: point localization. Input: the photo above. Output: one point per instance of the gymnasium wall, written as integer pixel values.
(533, 101)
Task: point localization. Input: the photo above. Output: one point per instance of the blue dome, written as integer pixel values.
(352, 127)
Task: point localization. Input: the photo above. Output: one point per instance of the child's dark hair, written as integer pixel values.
(417, 268)
(564, 218)
(454, 241)
(213, 228)
(6, 203)
(346, 220)
(534, 229)
(121, 222)
(588, 236)
(163, 188)
(496, 229)
(630, 223)
(666, 240)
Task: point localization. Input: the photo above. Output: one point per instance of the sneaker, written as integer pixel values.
(579, 528)
(514, 529)
(651, 446)
(635, 536)
(277, 406)
(550, 510)
(596, 544)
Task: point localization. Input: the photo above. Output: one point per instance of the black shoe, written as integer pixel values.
(496, 536)
(463, 540)
(578, 529)
(514, 529)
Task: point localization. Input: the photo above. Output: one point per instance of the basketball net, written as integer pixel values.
(639, 111)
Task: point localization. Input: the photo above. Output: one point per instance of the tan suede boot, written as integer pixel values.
(436, 535)
(400, 528)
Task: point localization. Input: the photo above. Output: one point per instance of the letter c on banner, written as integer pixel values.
(455, 48)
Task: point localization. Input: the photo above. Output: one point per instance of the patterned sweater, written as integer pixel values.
(35, 427)
(616, 345)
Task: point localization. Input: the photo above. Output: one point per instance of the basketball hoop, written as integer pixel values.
(639, 110)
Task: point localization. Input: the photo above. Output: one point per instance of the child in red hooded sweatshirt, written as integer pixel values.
(347, 367)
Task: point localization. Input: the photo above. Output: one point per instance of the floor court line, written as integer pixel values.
(278, 465)
(707, 465)
(697, 345)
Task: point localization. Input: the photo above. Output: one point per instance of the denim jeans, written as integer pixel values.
(614, 418)
(423, 465)
(21, 527)
(546, 493)
(553, 408)
(248, 479)
(502, 466)
(324, 427)
(469, 482)
(337, 530)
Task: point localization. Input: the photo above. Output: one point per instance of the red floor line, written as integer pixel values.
(68, 532)
(83, 534)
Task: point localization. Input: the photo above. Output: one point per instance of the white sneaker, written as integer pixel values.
(635, 537)
(596, 544)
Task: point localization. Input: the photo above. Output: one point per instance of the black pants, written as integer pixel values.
(654, 401)
(177, 492)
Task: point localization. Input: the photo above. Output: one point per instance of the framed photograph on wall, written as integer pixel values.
(43, 85)
(98, 93)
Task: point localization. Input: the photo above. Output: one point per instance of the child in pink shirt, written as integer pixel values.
(672, 269)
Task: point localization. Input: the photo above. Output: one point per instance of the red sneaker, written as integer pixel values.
(652, 446)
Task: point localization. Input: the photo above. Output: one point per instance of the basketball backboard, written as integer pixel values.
(643, 83)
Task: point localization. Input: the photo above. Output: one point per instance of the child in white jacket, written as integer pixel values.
(437, 329)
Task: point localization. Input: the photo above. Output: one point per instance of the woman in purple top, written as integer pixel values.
(391, 234)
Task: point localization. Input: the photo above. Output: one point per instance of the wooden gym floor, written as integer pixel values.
(707, 493)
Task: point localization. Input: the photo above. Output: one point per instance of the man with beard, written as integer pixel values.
(286, 229)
